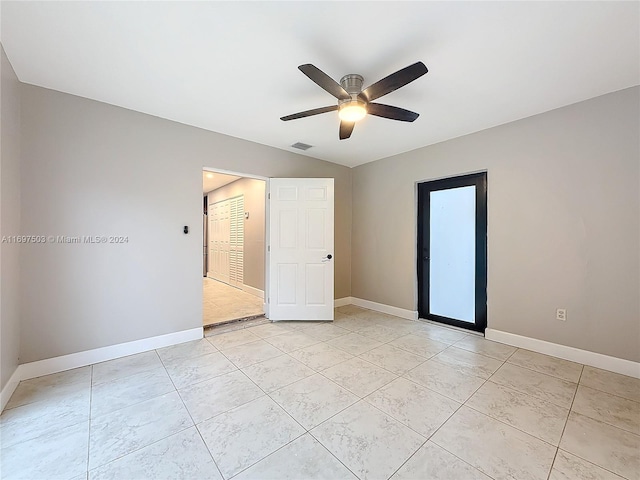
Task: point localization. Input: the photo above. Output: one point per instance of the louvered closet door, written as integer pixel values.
(213, 237)
(236, 246)
(225, 241)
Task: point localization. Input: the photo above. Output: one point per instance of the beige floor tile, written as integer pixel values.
(351, 310)
(187, 349)
(183, 455)
(122, 392)
(354, 343)
(57, 385)
(417, 407)
(298, 324)
(250, 353)
(233, 339)
(432, 462)
(358, 376)
(556, 367)
(321, 356)
(43, 418)
(539, 385)
(400, 325)
(270, 329)
(325, 331)
(382, 333)
(616, 411)
(222, 302)
(570, 467)
(467, 362)
(614, 383)
(304, 458)
(60, 454)
(441, 334)
(313, 400)
(496, 449)
(361, 411)
(608, 447)
(247, 434)
(277, 372)
(393, 359)
(374, 316)
(291, 341)
(371, 444)
(353, 323)
(218, 395)
(536, 417)
(480, 345)
(125, 366)
(129, 429)
(419, 345)
(445, 380)
(187, 371)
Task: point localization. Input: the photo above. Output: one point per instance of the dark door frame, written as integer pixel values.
(424, 188)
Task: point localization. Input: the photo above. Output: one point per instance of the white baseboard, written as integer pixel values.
(341, 302)
(388, 309)
(9, 388)
(253, 291)
(598, 360)
(97, 355)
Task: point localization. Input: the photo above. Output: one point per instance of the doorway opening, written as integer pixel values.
(234, 232)
(452, 251)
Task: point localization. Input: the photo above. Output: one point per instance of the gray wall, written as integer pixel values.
(254, 227)
(104, 170)
(563, 223)
(9, 219)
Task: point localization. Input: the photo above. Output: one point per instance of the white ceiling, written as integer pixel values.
(231, 67)
(211, 180)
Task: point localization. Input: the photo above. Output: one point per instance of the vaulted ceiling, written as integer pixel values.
(231, 67)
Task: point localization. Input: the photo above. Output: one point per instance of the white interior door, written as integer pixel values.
(300, 240)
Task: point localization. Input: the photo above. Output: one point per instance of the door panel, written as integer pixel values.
(452, 253)
(301, 249)
(452, 250)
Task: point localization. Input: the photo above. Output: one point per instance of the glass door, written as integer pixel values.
(452, 246)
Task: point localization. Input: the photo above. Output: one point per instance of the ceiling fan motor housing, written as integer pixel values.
(352, 83)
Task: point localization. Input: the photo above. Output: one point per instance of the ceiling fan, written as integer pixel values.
(354, 102)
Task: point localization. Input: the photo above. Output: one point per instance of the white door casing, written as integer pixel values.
(301, 231)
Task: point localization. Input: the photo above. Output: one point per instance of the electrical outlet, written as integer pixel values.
(561, 314)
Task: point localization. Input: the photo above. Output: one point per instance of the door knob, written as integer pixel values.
(328, 257)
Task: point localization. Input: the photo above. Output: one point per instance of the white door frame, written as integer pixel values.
(266, 226)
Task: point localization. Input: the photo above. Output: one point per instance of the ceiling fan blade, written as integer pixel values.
(394, 113)
(345, 129)
(308, 113)
(394, 81)
(324, 81)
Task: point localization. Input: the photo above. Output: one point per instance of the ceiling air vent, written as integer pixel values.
(301, 146)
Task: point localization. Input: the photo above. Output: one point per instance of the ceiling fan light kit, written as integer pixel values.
(354, 103)
(352, 110)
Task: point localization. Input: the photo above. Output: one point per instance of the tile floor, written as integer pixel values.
(369, 396)
(222, 303)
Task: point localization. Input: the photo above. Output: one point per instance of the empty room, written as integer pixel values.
(320, 240)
